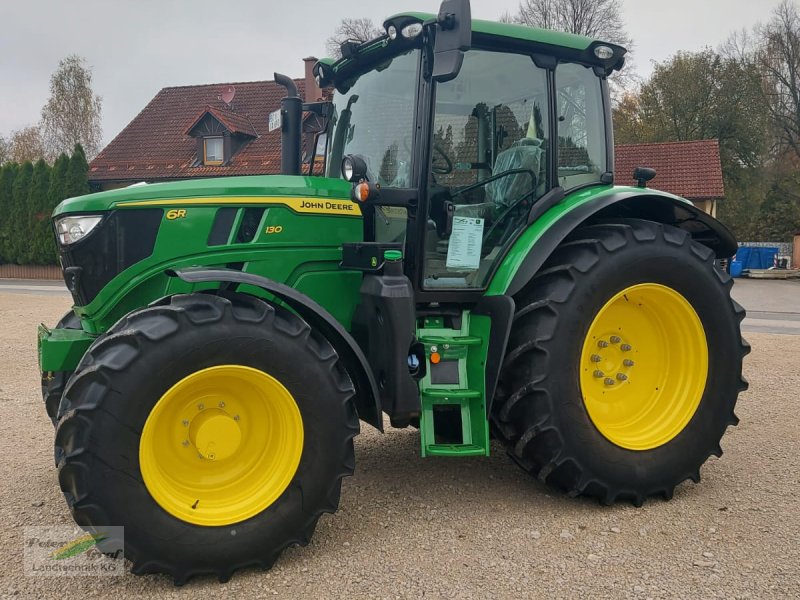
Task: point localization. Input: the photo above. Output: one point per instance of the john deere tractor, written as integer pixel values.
(464, 265)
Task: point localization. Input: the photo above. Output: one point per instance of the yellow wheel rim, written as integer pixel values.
(644, 365)
(221, 445)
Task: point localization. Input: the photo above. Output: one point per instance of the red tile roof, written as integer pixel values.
(155, 144)
(688, 169)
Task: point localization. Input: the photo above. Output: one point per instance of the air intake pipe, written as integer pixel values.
(291, 124)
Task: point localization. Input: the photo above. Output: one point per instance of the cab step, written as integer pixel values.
(453, 420)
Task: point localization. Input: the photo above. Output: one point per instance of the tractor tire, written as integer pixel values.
(624, 364)
(54, 382)
(246, 472)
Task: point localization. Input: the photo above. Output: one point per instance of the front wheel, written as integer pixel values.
(215, 429)
(624, 363)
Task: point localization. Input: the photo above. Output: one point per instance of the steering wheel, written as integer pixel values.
(436, 170)
(448, 164)
(501, 218)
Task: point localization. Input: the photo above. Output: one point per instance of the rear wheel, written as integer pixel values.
(54, 382)
(624, 363)
(216, 430)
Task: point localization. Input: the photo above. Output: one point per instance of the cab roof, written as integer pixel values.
(564, 46)
(512, 30)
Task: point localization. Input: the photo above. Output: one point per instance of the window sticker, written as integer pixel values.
(464, 250)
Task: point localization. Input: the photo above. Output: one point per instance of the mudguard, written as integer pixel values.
(367, 397)
(630, 203)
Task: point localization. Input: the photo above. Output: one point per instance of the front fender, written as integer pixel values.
(541, 238)
(367, 396)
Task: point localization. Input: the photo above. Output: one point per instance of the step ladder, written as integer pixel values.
(454, 386)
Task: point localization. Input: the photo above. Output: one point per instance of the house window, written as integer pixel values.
(212, 151)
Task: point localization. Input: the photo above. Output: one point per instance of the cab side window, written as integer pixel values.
(581, 126)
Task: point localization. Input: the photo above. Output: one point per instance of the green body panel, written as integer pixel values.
(61, 349)
(292, 245)
(526, 242)
(255, 185)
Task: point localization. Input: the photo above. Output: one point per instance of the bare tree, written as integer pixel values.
(4, 150)
(26, 145)
(599, 19)
(778, 57)
(360, 30)
(72, 114)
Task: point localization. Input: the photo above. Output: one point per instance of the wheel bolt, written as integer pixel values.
(201, 406)
(599, 373)
(625, 347)
(596, 358)
(609, 381)
(236, 417)
(221, 405)
(185, 422)
(627, 362)
(622, 377)
(615, 339)
(602, 344)
(185, 442)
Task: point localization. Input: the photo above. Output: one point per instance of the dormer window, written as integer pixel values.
(220, 134)
(213, 151)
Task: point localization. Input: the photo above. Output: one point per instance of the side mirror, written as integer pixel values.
(453, 38)
(642, 175)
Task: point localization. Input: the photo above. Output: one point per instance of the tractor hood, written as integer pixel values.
(258, 185)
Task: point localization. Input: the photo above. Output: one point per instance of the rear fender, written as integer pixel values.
(367, 397)
(539, 241)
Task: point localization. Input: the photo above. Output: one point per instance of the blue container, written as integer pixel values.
(736, 268)
(754, 257)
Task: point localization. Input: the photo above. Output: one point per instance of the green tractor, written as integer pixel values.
(464, 266)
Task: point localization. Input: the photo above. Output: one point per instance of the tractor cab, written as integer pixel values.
(451, 158)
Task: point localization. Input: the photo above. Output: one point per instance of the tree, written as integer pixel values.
(599, 19)
(39, 247)
(77, 179)
(360, 30)
(58, 180)
(72, 114)
(5, 151)
(7, 174)
(695, 96)
(26, 145)
(778, 59)
(779, 214)
(18, 215)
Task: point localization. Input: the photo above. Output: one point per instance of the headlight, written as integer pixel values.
(391, 31)
(411, 31)
(347, 168)
(603, 52)
(72, 229)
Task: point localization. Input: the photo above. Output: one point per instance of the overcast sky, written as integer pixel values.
(136, 47)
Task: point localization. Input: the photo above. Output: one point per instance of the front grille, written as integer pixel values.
(120, 240)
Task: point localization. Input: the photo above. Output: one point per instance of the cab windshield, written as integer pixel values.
(375, 120)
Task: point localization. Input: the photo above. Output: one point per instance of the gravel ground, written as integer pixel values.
(468, 528)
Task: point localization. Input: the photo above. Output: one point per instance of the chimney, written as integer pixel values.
(313, 93)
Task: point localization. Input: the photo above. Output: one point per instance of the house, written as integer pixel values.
(691, 170)
(195, 131)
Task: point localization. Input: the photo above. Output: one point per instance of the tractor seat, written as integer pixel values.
(525, 153)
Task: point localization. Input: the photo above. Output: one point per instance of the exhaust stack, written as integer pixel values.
(291, 123)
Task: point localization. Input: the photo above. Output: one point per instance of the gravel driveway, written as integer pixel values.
(464, 528)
